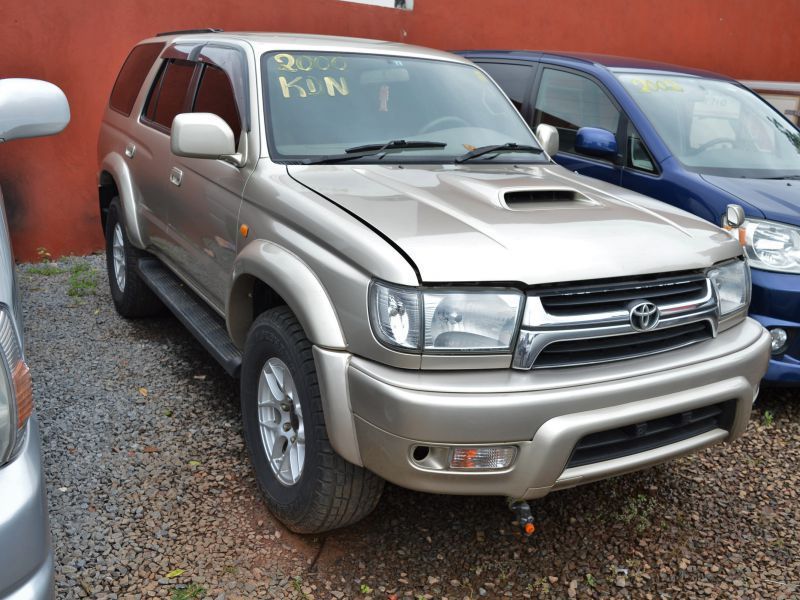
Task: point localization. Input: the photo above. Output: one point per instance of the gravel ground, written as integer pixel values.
(151, 493)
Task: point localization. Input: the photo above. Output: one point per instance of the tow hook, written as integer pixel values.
(522, 516)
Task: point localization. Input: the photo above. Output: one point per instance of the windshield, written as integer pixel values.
(324, 104)
(716, 127)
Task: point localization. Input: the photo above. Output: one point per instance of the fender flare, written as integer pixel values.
(294, 281)
(114, 165)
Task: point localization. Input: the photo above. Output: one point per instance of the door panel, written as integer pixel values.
(148, 151)
(204, 214)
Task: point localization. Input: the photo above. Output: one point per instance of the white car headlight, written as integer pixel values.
(772, 246)
(732, 282)
(445, 321)
(16, 393)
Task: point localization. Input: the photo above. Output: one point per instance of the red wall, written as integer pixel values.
(50, 184)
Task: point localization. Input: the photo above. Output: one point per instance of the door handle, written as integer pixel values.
(130, 150)
(175, 176)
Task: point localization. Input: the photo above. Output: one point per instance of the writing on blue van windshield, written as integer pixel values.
(655, 85)
(716, 127)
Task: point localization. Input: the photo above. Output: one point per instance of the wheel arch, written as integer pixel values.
(265, 275)
(114, 180)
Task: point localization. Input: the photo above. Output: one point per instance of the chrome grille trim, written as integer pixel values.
(540, 328)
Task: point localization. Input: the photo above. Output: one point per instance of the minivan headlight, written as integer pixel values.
(16, 392)
(445, 320)
(772, 246)
(732, 283)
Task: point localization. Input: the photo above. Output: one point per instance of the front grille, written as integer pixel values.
(604, 298)
(640, 437)
(590, 323)
(570, 353)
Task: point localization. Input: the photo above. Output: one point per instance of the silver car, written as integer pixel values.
(370, 237)
(28, 108)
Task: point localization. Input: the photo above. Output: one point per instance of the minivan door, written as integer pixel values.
(568, 100)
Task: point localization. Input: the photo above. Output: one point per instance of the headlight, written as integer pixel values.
(16, 393)
(772, 246)
(445, 321)
(732, 282)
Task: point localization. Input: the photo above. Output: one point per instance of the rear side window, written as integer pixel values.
(514, 79)
(568, 102)
(168, 96)
(132, 76)
(215, 95)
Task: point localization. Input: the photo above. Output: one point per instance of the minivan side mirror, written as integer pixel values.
(201, 135)
(31, 108)
(596, 142)
(548, 138)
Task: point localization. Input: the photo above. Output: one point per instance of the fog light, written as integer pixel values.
(780, 340)
(482, 458)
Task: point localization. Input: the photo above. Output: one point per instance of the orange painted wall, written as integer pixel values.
(50, 184)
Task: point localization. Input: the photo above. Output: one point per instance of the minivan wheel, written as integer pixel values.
(131, 296)
(307, 485)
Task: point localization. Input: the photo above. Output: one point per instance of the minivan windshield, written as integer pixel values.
(716, 127)
(321, 106)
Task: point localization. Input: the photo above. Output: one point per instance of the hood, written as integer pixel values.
(777, 199)
(458, 223)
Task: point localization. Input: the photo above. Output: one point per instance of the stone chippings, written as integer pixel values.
(147, 474)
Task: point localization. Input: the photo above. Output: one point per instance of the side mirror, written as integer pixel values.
(201, 135)
(548, 138)
(734, 216)
(596, 142)
(31, 108)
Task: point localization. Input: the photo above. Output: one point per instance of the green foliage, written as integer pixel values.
(188, 593)
(638, 510)
(45, 269)
(82, 280)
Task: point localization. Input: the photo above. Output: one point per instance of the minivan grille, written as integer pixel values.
(618, 347)
(640, 437)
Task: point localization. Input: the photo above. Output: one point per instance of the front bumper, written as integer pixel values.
(377, 415)
(776, 303)
(26, 558)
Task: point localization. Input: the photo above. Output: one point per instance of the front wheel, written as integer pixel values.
(131, 296)
(307, 485)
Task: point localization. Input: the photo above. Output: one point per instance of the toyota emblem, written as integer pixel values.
(644, 315)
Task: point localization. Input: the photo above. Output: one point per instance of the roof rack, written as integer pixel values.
(188, 31)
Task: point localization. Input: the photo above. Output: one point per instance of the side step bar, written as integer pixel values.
(206, 325)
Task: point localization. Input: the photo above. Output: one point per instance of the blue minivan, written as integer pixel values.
(697, 140)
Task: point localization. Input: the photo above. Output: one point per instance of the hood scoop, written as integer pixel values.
(544, 198)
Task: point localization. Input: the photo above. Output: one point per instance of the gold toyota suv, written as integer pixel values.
(368, 235)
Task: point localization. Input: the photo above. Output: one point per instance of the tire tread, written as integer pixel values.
(345, 492)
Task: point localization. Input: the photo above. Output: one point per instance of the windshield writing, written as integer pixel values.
(322, 104)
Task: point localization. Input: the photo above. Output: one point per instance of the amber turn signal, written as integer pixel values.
(24, 390)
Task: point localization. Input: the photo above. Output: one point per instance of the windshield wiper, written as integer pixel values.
(499, 149)
(784, 177)
(373, 149)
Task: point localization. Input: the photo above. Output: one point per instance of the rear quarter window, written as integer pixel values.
(132, 76)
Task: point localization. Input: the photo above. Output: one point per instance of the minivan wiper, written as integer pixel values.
(371, 150)
(499, 148)
(784, 177)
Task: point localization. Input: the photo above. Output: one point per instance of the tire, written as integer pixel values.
(132, 298)
(326, 491)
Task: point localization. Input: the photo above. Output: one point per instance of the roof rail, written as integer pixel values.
(206, 30)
